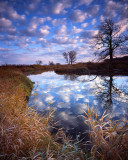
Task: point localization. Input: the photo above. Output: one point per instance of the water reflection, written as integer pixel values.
(70, 77)
(113, 94)
(69, 95)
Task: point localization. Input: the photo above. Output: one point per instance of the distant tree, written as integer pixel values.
(70, 57)
(58, 64)
(51, 63)
(66, 56)
(109, 39)
(39, 62)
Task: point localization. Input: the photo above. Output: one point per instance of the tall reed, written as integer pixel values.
(109, 138)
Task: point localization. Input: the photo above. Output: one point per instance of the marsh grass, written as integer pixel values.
(24, 134)
(109, 138)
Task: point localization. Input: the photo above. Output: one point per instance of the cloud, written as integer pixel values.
(111, 9)
(93, 10)
(33, 5)
(35, 21)
(78, 16)
(31, 29)
(6, 49)
(6, 26)
(20, 41)
(124, 24)
(57, 22)
(124, 11)
(49, 99)
(76, 30)
(84, 25)
(23, 42)
(63, 105)
(78, 96)
(93, 21)
(88, 34)
(10, 13)
(102, 18)
(44, 31)
(56, 6)
(64, 40)
(45, 43)
(5, 23)
(61, 31)
(8, 30)
(86, 2)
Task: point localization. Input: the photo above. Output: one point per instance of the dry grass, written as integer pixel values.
(23, 132)
(109, 138)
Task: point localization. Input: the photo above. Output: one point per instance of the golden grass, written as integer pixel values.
(109, 138)
(23, 132)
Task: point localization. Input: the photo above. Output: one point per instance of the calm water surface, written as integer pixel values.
(69, 95)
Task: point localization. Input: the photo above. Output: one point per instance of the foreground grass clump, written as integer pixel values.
(109, 138)
(23, 132)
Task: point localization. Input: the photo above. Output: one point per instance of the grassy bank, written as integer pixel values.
(103, 68)
(24, 134)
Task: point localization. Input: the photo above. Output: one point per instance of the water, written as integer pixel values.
(69, 96)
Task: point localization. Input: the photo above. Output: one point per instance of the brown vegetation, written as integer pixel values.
(103, 68)
(109, 138)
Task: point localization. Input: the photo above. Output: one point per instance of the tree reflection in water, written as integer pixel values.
(108, 93)
(71, 77)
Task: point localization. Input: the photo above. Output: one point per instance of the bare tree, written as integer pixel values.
(70, 57)
(51, 63)
(39, 62)
(109, 39)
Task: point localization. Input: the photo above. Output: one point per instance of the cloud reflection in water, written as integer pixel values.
(70, 97)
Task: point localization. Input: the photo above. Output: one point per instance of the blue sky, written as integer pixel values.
(33, 30)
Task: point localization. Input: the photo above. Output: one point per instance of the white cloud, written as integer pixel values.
(87, 2)
(63, 105)
(78, 96)
(33, 5)
(111, 8)
(49, 99)
(124, 25)
(102, 18)
(57, 7)
(5, 22)
(76, 30)
(86, 100)
(44, 30)
(57, 22)
(78, 16)
(93, 10)
(61, 31)
(84, 25)
(64, 40)
(6, 49)
(88, 34)
(10, 13)
(93, 21)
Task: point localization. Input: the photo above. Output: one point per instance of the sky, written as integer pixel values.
(32, 30)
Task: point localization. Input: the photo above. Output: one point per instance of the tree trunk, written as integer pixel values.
(111, 55)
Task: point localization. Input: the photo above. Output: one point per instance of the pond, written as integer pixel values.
(69, 96)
